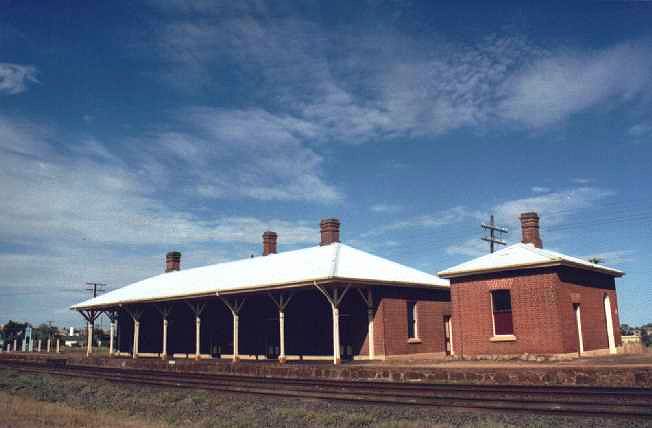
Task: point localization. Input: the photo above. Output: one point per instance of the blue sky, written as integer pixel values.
(130, 129)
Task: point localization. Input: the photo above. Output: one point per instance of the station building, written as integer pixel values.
(334, 302)
(329, 302)
(524, 299)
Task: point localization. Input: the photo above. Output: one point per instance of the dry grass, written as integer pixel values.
(24, 412)
(76, 402)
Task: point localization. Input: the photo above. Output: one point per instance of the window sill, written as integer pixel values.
(414, 340)
(503, 338)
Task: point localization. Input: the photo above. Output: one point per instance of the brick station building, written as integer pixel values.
(525, 299)
(328, 302)
(334, 302)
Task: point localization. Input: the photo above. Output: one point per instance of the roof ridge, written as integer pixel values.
(336, 259)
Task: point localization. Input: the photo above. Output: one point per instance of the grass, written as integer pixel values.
(25, 412)
(35, 400)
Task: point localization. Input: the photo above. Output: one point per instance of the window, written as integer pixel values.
(413, 330)
(502, 311)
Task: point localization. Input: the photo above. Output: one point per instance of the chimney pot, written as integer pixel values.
(269, 243)
(330, 231)
(530, 229)
(172, 261)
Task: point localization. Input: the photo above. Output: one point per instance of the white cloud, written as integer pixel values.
(385, 208)
(473, 247)
(559, 85)
(612, 258)
(365, 86)
(244, 154)
(439, 219)
(15, 78)
(553, 208)
(540, 189)
(640, 132)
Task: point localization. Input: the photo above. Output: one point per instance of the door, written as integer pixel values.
(578, 322)
(610, 325)
(448, 335)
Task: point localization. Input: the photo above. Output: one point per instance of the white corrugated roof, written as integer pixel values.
(522, 256)
(329, 262)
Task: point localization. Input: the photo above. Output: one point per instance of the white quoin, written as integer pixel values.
(197, 337)
(111, 336)
(136, 338)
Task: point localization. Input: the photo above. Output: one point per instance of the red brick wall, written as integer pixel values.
(542, 311)
(537, 324)
(587, 289)
(390, 322)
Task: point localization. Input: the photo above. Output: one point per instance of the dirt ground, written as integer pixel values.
(35, 400)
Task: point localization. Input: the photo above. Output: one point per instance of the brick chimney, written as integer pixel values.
(172, 261)
(530, 229)
(330, 231)
(269, 243)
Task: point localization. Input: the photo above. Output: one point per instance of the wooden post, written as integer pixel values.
(335, 299)
(197, 309)
(235, 306)
(236, 321)
(369, 301)
(136, 338)
(164, 355)
(48, 347)
(15, 345)
(281, 333)
(58, 348)
(337, 357)
(89, 340)
(281, 304)
(38, 347)
(197, 337)
(111, 334)
(165, 310)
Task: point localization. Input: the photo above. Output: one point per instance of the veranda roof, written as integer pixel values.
(334, 262)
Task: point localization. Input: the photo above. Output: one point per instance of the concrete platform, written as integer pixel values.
(609, 371)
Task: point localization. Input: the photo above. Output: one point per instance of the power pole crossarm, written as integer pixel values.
(492, 239)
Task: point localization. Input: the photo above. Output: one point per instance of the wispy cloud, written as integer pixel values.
(385, 208)
(405, 86)
(554, 208)
(15, 78)
(640, 132)
(554, 87)
(616, 257)
(540, 189)
(439, 219)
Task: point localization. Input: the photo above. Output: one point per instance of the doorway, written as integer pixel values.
(610, 325)
(578, 321)
(448, 335)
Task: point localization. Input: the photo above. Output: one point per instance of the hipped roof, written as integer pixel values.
(329, 263)
(523, 256)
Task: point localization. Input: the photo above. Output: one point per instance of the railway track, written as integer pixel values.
(575, 400)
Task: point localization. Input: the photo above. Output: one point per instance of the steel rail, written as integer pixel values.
(575, 400)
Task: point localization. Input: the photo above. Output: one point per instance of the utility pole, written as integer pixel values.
(492, 239)
(95, 287)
